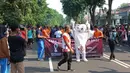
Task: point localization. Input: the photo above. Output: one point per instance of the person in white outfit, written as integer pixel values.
(81, 33)
(58, 33)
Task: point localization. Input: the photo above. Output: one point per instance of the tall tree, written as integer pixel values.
(10, 12)
(91, 5)
(109, 12)
(72, 8)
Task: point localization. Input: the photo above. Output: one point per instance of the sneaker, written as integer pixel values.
(40, 59)
(77, 60)
(85, 60)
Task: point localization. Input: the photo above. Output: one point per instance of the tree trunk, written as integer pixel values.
(92, 14)
(109, 12)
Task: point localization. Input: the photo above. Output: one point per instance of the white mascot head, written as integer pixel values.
(80, 28)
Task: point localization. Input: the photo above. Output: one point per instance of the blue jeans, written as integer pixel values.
(5, 67)
(40, 50)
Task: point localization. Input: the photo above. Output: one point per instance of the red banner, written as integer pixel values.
(53, 47)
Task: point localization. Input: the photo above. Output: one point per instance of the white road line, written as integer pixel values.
(51, 66)
(119, 49)
(117, 61)
(122, 62)
(126, 52)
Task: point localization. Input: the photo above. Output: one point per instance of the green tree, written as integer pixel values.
(10, 12)
(28, 12)
(123, 5)
(53, 18)
(72, 8)
(91, 5)
(109, 11)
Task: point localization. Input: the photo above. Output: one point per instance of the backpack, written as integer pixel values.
(113, 36)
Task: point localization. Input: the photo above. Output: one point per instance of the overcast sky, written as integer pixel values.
(55, 4)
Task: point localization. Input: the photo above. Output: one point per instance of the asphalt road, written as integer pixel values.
(94, 65)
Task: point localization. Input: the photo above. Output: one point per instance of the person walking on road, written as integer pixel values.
(67, 49)
(4, 50)
(40, 42)
(17, 50)
(112, 41)
(30, 37)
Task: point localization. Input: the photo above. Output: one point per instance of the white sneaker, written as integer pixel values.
(85, 60)
(78, 60)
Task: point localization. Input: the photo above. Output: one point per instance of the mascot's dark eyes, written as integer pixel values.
(81, 28)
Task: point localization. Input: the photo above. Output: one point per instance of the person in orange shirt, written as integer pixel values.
(44, 32)
(48, 30)
(67, 49)
(97, 33)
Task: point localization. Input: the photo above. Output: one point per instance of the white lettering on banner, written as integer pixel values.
(89, 47)
(93, 52)
(95, 40)
(53, 41)
(92, 49)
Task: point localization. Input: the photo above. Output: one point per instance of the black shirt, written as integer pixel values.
(17, 48)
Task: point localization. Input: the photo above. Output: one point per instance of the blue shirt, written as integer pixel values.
(30, 34)
(38, 32)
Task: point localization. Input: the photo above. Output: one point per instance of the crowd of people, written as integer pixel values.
(123, 33)
(20, 37)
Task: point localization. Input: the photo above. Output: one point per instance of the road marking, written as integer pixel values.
(117, 61)
(126, 52)
(119, 49)
(51, 66)
(26, 58)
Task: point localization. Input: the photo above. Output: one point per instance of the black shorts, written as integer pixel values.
(30, 41)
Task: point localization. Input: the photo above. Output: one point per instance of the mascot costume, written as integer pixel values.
(81, 33)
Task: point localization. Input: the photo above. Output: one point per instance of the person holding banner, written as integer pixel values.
(97, 33)
(67, 49)
(40, 42)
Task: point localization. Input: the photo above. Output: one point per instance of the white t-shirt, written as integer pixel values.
(58, 34)
(66, 37)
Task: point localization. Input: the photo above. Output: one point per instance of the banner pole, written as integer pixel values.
(51, 65)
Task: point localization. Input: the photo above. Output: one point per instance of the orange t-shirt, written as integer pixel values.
(98, 34)
(66, 38)
(48, 31)
(44, 32)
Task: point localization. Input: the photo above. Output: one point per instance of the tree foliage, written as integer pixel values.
(109, 11)
(91, 5)
(74, 8)
(28, 12)
(123, 5)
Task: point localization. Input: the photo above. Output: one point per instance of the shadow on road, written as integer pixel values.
(36, 69)
(110, 71)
